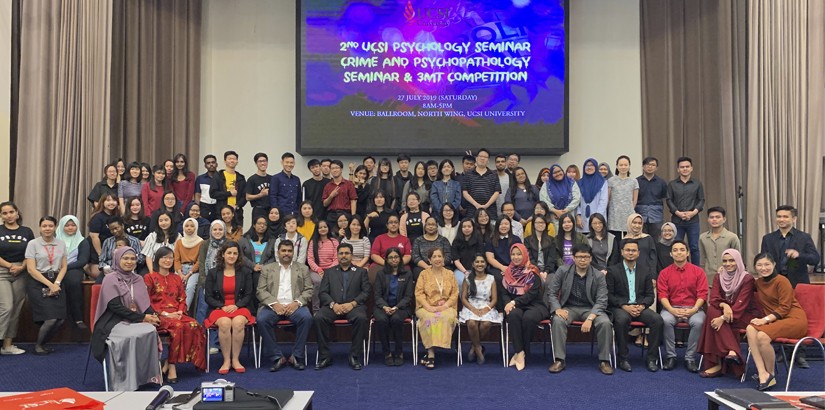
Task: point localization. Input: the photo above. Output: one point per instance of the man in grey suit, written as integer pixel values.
(284, 290)
(343, 293)
(579, 293)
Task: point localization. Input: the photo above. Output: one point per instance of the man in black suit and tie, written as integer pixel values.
(629, 294)
(343, 293)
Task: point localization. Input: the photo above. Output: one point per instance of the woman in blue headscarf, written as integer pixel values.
(594, 190)
(560, 193)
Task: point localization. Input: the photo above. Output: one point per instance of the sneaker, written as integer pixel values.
(12, 350)
(213, 350)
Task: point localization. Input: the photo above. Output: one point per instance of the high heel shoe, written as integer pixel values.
(768, 384)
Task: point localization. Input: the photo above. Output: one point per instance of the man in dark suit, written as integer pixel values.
(629, 294)
(579, 293)
(343, 293)
(793, 250)
(284, 300)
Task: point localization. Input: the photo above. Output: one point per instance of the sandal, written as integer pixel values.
(430, 363)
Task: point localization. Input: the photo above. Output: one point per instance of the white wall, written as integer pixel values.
(248, 84)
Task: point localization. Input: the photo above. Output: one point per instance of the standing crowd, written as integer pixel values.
(425, 245)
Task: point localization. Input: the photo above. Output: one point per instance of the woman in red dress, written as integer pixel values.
(731, 306)
(229, 293)
(168, 297)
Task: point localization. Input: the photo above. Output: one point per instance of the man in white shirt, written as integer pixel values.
(284, 290)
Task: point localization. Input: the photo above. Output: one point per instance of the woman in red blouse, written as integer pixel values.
(168, 297)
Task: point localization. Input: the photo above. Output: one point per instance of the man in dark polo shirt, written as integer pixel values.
(257, 187)
(480, 187)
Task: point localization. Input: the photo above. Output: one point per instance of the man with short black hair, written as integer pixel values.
(686, 198)
(403, 175)
(652, 191)
(117, 228)
(630, 293)
(468, 164)
(793, 250)
(285, 188)
(202, 186)
(284, 290)
(683, 289)
(505, 179)
(257, 187)
(513, 161)
(715, 241)
(369, 164)
(578, 292)
(325, 168)
(480, 187)
(339, 195)
(229, 187)
(314, 189)
(343, 292)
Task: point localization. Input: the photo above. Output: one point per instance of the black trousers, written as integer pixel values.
(523, 324)
(387, 325)
(323, 322)
(259, 211)
(73, 285)
(621, 325)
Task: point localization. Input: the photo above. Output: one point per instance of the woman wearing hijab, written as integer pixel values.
(125, 326)
(604, 171)
(593, 189)
(731, 307)
(78, 251)
(561, 194)
(542, 178)
(647, 246)
(667, 234)
(523, 302)
(194, 211)
(186, 263)
(168, 297)
(206, 261)
(274, 224)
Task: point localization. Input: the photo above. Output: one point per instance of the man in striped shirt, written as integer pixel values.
(481, 187)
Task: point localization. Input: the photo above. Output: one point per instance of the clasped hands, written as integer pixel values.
(633, 310)
(683, 313)
(285, 310)
(390, 310)
(343, 308)
(439, 306)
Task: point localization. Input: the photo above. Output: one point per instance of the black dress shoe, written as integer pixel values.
(325, 362)
(297, 364)
(652, 366)
(669, 363)
(691, 366)
(278, 365)
(389, 360)
(625, 365)
(398, 360)
(354, 363)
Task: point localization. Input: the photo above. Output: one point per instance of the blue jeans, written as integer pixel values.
(200, 316)
(692, 231)
(266, 321)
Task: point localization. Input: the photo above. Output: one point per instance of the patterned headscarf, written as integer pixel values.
(518, 279)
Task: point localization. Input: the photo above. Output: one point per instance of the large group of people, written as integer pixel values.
(482, 247)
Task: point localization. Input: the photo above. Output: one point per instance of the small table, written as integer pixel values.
(714, 401)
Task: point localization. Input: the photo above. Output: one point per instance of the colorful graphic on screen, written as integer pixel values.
(432, 76)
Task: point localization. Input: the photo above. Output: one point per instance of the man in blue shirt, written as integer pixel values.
(652, 191)
(285, 188)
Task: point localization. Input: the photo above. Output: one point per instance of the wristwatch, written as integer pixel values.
(331, 304)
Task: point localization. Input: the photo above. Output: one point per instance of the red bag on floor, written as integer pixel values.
(55, 399)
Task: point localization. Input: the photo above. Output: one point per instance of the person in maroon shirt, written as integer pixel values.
(391, 239)
(182, 181)
(339, 195)
(683, 289)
